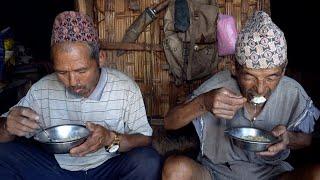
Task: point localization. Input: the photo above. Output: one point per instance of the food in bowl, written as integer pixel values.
(71, 138)
(256, 138)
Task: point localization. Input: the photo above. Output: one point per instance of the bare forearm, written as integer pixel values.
(129, 141)
(5, 136)
(183, 114)
(299, 140)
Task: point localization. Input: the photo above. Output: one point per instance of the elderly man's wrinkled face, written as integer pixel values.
(258, 82)
(75, 68)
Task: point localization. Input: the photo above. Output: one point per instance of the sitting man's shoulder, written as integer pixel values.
(291, 85)
(218, 80)
(116, 76)
(49, 81)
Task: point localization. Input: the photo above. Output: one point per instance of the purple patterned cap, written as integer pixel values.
(73, 26)
(261, 44)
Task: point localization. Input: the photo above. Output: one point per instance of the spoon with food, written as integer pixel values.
(256, 101)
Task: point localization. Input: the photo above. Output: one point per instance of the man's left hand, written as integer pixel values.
(100, 137)
(281, 132)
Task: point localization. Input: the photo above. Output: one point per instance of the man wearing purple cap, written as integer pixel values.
(106, 100)
(257, 94)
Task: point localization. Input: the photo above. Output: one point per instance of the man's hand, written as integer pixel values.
(100, 137)
(278, 131)
(223, 103)
(21, 121)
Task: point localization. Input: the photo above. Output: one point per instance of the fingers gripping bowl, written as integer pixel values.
(251, 139)
(62, 138)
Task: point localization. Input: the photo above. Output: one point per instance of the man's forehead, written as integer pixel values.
(261, 72)
(68, 53)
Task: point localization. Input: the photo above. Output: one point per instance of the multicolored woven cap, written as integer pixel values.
(261, 44)
(71, 26)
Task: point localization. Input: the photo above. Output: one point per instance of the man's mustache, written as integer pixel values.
(251, 94)
(76, 87)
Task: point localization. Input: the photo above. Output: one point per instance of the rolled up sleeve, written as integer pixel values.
(307, 122)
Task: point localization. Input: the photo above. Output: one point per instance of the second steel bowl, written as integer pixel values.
(251, 139)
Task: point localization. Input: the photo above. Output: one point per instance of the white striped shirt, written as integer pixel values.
(116, 103)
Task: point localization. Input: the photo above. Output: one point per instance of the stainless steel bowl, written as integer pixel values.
(238, 136)
(62, 137)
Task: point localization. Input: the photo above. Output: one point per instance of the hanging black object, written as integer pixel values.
(181, 16)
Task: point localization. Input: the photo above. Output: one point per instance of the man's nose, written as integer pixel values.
(73, 81)
(260, 87)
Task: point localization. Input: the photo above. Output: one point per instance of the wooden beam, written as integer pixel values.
(130, 46)
(84, 6)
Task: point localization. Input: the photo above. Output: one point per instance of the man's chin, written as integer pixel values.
(80, 93)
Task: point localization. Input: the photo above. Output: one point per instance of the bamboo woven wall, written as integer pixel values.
(148, 67)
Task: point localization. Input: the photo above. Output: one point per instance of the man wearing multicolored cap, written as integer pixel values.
(80, 92)
(256, 94)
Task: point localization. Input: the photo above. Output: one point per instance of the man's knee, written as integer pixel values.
(315, 171)
(8, 159)
(7, 150)
(143, 157)
(307, 172)
(177, 167)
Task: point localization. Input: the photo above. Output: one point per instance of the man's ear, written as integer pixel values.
(284, 68)
(283, 71)
(233, 69)
(102, 58)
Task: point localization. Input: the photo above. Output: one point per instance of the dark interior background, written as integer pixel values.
(298, 20)
(31, 22)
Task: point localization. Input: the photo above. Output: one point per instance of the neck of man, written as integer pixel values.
(96, 83)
